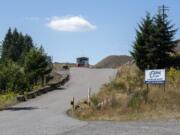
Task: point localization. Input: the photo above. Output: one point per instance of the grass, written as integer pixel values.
(127, 98)
(7, 99)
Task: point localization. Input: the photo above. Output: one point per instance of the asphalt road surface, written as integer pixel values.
(46, 115)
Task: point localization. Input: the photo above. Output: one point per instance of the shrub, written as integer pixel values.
(172, 75)
(119, 83)
(138, 98)
(94, 100)
(12, 77)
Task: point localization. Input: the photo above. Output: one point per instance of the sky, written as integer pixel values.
(68, 29)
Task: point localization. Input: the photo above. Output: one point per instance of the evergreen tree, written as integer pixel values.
(6, 46)
(143, 42)
(154, 46)
(164, 41)
(15, 46)
(37, 65)
(26, 44)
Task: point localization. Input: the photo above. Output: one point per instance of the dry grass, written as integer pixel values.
(7, 99)
(127, 98)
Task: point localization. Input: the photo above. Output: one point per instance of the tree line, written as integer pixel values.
(22, 64)
(154, 46)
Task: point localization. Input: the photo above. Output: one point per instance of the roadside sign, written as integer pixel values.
(155, 76)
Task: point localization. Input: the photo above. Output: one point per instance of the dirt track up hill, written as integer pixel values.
(113, 61)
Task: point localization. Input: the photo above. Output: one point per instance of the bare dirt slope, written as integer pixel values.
(113, 61)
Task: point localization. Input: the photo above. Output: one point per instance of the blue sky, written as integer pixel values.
(71, 28)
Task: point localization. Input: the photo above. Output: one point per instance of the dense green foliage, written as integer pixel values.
(15, 46)
(37, 65)
(154, 46)
(22, 64)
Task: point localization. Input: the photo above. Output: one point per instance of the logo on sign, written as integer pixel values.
(154, 74)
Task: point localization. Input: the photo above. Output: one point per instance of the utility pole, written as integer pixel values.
(162, 11)
(0, 49)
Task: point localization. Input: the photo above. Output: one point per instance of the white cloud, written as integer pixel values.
(70, 24)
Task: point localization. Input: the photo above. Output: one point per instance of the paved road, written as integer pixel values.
(46, 115)
(128, 128)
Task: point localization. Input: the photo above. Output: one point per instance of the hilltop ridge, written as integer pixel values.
(113, 61)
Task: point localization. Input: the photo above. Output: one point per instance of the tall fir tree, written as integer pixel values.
(37, 65)
(6, 45)
(154, 46)
(143, 42)
(164, 40)
(15, 46)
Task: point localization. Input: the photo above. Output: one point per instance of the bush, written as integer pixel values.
(172, 74)
(138, 98)
(12, 77)
(94, 100)
(119, 83)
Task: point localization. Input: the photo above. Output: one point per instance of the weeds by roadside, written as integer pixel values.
(127, 98)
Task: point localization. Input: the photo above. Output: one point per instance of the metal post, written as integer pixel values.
(89, 95)
(147, 87)
(73, 104)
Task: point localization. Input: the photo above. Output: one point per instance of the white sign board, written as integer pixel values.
(156, 76)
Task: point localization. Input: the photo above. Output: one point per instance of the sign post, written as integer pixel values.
(155, 76)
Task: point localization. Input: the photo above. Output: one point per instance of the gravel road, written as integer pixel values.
(46, 115)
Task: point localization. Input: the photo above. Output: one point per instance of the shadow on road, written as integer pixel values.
(60, 88)
(20, 108)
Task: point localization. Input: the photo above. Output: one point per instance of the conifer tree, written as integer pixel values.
(6, 46)
(37, 65)
(143, 42)
(15, 46)
(154, 47)
(164, 41)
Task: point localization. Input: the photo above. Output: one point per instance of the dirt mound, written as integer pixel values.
(113, 61)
